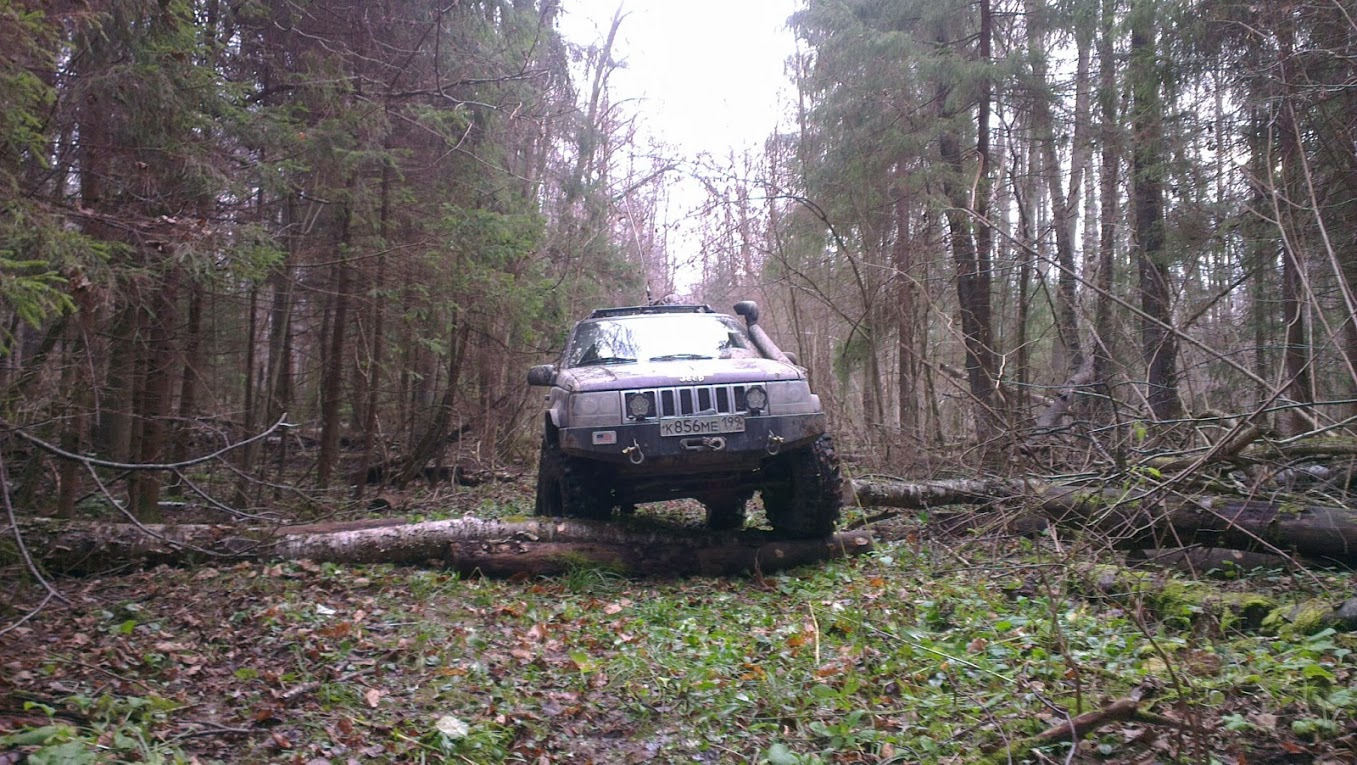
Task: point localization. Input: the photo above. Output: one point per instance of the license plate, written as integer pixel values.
(701, 426)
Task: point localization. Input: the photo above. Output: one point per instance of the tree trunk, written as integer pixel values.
(468, 545)
(435, 435)
(1158, 341)
(1287, 192)
(972, 267)
(372, 377)
(906, 298)
(278, 374)
(1063, 204)
(188, 382)
(248, 454)
(973, 297)
(1108, 176)
(332, 384)
(153, 398)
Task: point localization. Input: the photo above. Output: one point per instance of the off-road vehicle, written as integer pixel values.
(659, 402)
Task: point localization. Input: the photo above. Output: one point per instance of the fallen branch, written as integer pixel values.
(1228, 449)
(94, 462)
(1074, 728)
(24, 553)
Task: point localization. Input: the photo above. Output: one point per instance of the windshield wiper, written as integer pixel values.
(679, 357)
(607, 360)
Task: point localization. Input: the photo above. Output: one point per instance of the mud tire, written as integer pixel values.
(548, 502)
(568, 487)
(804, 493)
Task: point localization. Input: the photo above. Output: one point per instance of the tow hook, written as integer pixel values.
(634, 453)
(774, 444)
(714, 443)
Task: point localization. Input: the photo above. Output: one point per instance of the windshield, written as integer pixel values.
(667, 337)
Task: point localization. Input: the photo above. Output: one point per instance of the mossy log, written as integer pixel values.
(1313, 616)
(472, 546)
(1211, 562)
(1320, 532)
(1166, 597)
(1137, 520)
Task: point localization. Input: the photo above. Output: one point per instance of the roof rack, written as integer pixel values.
(603, 313)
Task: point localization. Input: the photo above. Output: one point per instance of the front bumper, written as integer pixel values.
(639, 448)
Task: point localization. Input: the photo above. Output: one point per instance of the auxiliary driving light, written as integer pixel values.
(756, 399)
(640, 405)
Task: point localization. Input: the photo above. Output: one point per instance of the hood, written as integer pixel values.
(666, 374)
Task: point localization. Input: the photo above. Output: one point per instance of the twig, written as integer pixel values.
(104, 671)
(311, 685)
(166, 466)
(142, 527)
(23, 551)
(36, 610)
(211, 729)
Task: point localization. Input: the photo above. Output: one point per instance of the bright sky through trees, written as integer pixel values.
(707, 72)
(707, 78)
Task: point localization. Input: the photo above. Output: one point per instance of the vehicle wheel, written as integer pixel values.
(803, 495)
(548, 483)
(570, 487)
(726, 512)
(584, 490)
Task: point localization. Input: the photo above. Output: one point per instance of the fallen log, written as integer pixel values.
(927, 494)
(469, 545)
(1140, 519)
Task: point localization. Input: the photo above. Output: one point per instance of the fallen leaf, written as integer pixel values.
(373, 697)
(452, 727)
(1263, 721)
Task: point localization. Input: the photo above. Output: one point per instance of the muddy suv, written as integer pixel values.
(662, 402)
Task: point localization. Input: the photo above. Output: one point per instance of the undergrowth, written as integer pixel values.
(946, 651)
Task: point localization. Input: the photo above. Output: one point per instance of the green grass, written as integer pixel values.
(938, 653)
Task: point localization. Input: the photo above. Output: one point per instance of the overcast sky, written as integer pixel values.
(708, 72)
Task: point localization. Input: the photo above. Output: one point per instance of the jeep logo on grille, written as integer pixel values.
(693, 376)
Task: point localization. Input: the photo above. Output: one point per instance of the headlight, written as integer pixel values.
(756, 398)
(640, 405)
(594, 410)
(791, 397)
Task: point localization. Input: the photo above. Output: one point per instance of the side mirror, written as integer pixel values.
(791, 356)
(542, 374)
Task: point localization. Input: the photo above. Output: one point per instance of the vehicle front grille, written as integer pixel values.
(693, 400)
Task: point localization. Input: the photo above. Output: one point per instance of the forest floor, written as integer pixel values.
(933, 649)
